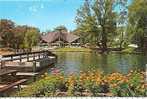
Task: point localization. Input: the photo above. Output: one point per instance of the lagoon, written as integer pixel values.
(74, 62)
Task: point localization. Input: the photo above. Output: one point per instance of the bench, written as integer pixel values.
(17, 83)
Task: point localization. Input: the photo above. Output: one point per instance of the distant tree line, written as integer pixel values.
(18, 36)
(112, 23)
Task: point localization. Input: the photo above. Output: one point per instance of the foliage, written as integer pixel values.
(61, 27)
(90, 83)
(137, 27)
(6, 31)
(17, 37)
(129, 50)
(31, 37)
(121, 22)
(44, 87)
(132, 84)
(97, 21)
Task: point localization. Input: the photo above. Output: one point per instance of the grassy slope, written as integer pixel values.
(73, 49)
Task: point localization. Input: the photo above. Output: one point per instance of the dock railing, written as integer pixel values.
(29, 56)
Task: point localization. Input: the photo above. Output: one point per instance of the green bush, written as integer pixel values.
(128, 50)
(92, 82)
(134, 86)
(43, 87)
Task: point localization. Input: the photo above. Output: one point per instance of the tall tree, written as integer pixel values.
(19, 34)
(99, 19)
(105, 17)
(122, 16)
(6, 31)
(31, 37)
(137, 26)
(87, 26)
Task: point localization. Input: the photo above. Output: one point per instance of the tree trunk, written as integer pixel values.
(104, 40)
(142, 43)
(122, 40)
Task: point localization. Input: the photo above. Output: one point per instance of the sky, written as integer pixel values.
(43, 14)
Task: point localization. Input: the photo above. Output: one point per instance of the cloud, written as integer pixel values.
(33, 9)
(42, 6)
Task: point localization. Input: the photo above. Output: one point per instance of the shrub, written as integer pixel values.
(90, 83)
(44, 87)
(132, 84)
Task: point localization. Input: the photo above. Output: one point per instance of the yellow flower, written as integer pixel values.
(42, 76)
(46, 74)
(143, 86)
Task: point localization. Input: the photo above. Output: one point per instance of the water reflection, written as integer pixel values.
(73, 62)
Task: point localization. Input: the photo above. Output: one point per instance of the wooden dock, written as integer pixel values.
(21, 67)
(28, 62)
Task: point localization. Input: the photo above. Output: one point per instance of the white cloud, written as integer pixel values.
(42, 6)
(33, 9)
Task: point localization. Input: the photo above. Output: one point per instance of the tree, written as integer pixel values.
(137, 26)
(87, 27)
(61, 27)
(105, 17)
(6, 31)
(98, 19)
(19, 34)
(122, 22)
(31, 37)
(18, 37)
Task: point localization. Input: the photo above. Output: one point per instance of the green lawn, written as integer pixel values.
(67, 49)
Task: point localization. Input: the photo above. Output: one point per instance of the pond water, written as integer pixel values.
(74, 62)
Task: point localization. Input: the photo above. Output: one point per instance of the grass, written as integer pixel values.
(131, 51)
(67, 49)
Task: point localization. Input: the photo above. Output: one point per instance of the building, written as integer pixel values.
(60, 39)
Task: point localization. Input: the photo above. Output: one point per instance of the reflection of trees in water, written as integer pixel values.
(70, 61)
(106, 62)
(90, 61)
(122, 64)
(141, 61)
(127, 62)
(61, 57)
(85, 61)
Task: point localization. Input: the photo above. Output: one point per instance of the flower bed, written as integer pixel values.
(91, 83)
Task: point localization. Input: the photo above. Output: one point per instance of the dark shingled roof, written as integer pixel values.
(53, 36)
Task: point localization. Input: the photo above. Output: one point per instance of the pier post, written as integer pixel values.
(20, 58)
(19, 87)
(2, 64)
(33, 56)
(34, 70)
(11, 58)
(27, 57)
(1, 61)
(39, 55)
